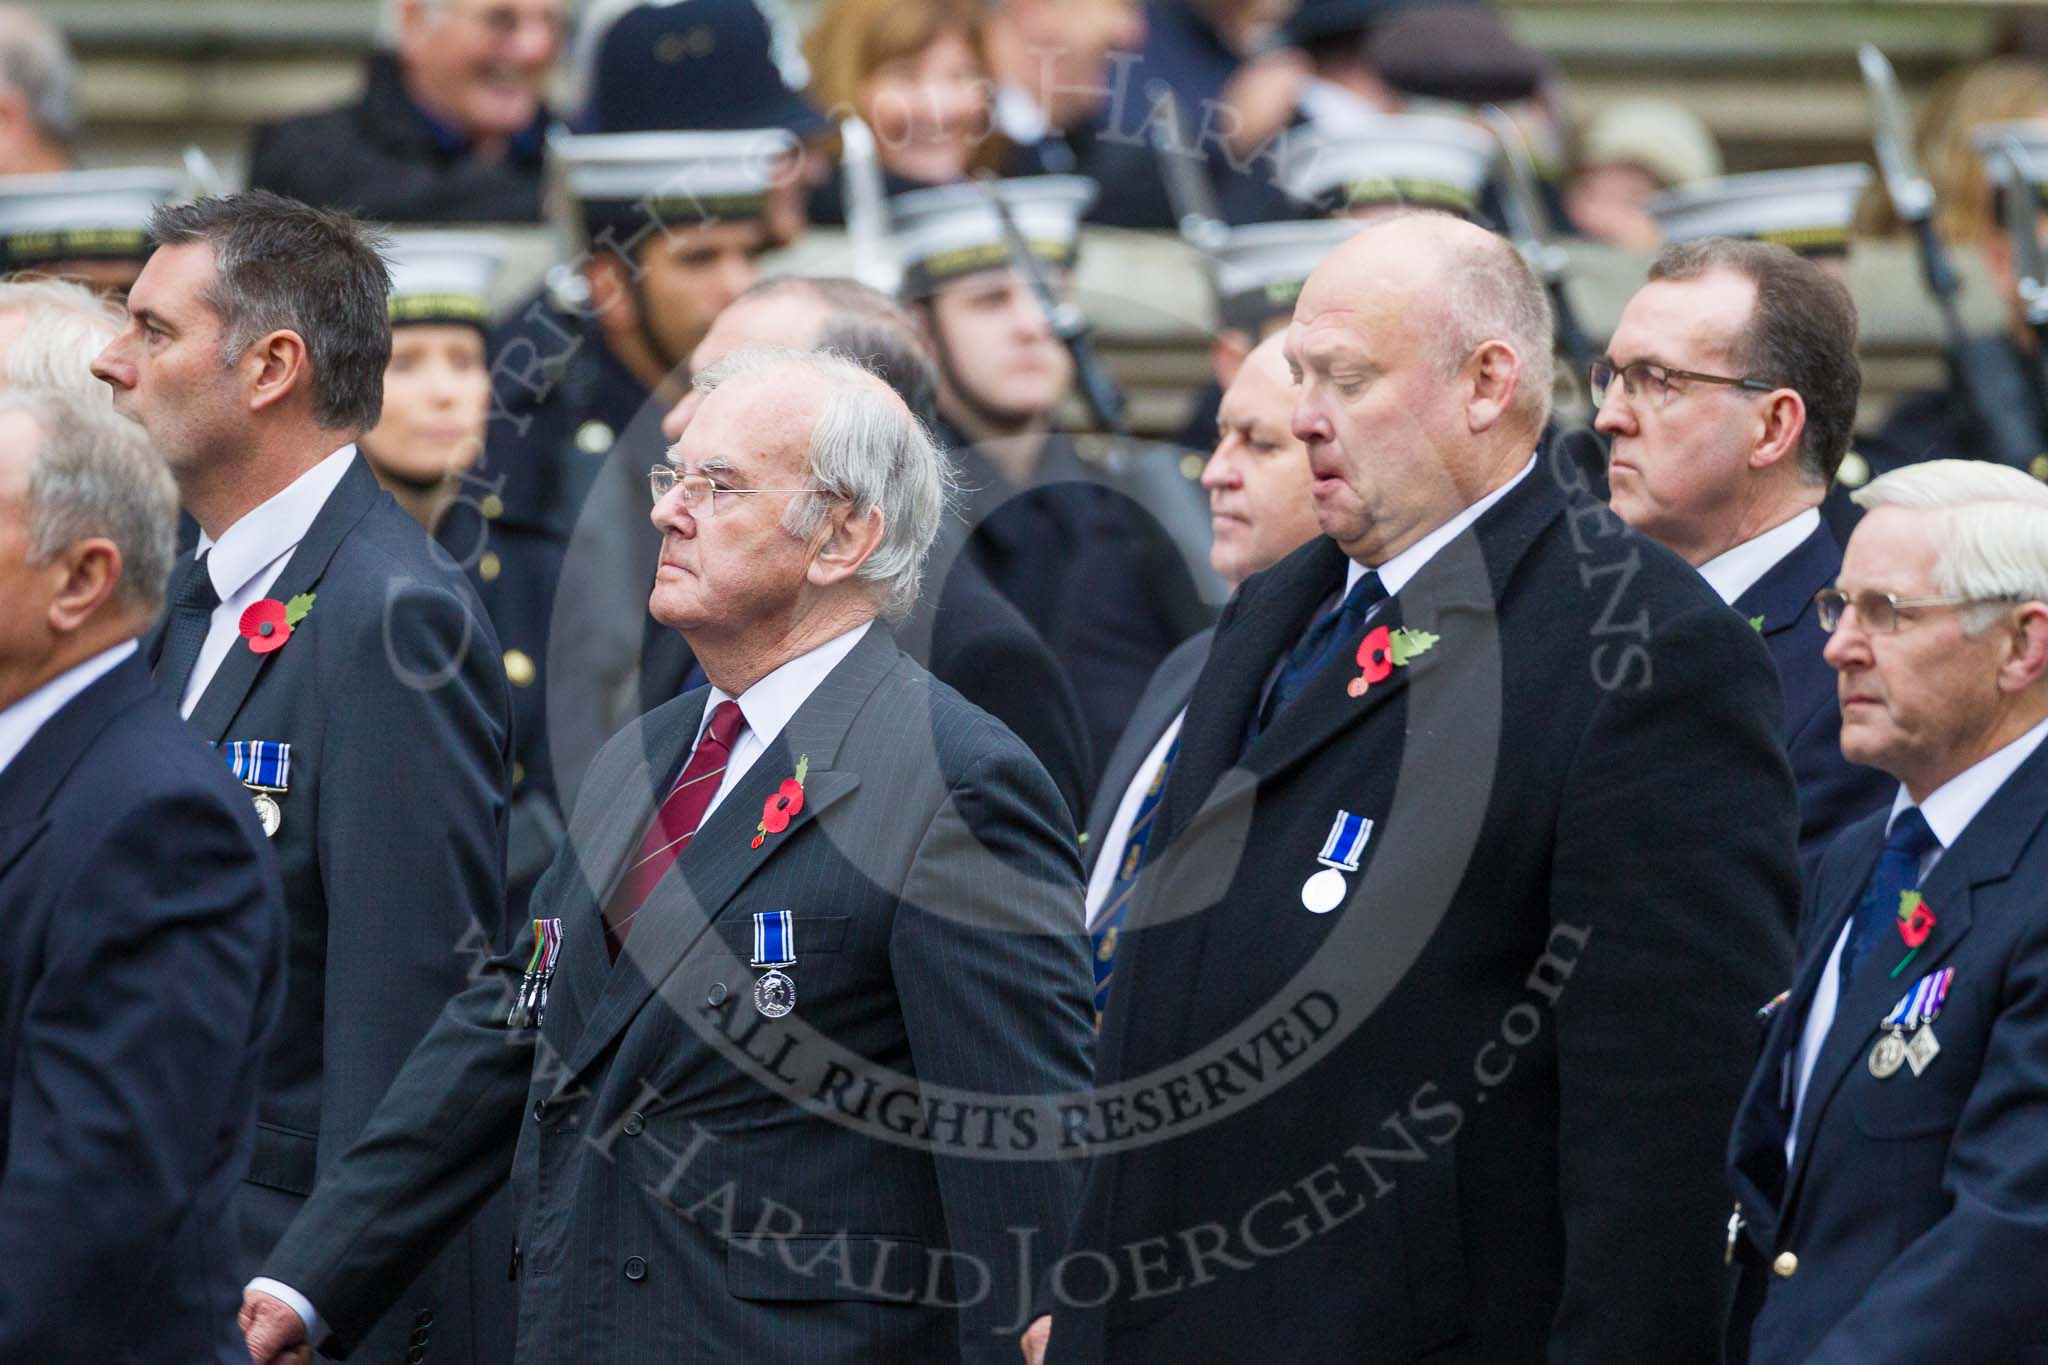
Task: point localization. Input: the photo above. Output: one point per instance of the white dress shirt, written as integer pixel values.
(1734, 572)
(1103, 876)
(1948, 811)
(767, 707)
(249, 556)
(19, 722)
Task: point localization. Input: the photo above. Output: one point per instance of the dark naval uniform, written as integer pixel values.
(1090, 568)
(559, 400)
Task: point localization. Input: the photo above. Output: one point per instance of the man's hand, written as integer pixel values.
(1035, 1339)
(273, 1331)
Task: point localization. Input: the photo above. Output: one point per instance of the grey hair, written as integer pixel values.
(868, 448)
(280, 265)
(1488, 294)
(1990, 530)
(35, 59)
(95, 474)
(67, 325)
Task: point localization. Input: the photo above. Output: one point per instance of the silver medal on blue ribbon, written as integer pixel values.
(774, 949)
(264, 766)
(1324, 890)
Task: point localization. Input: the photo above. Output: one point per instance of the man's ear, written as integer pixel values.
(278, 365)
(91, 571)
(844, 542)
(2026, 661)
(1496, 372)
(1781, 430)
(611, 287)
(1227, 353)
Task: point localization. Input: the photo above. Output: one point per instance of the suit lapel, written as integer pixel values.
(345, 507)
(721, 857)
(1784, 595)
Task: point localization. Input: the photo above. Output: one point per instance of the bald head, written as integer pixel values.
(1422, 347)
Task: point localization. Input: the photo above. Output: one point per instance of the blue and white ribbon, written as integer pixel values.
(774, 939)
(1921, 1004)
(1346, 843)
(264, 763)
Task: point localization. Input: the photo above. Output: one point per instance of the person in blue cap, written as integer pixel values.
(449, 126)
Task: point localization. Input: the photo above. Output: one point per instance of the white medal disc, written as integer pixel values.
(267, 813)
(1323, 892)
(1888, 1056)
(775, 994)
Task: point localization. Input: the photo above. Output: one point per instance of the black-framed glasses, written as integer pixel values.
(1879, 611)
(697, 489)
(1645, 380)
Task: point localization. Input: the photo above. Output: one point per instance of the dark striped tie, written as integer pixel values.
(1109, 926)
(191, 615)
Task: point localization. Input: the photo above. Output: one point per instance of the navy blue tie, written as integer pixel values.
(1330, 633)
(1897, 871)
(191, 616)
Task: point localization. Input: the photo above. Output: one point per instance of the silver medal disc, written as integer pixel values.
(775, 994)
(1888, 1056)
(268, 814)
(1323, 892)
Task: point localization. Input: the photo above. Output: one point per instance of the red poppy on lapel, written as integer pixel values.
(264, 625)
(1375, 660)
(784, 805)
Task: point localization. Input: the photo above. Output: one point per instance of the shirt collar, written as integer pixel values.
(273, 529)
(1734, 572)
(20, 722)
(769, 703)
(1395, 573)
(1950, 807)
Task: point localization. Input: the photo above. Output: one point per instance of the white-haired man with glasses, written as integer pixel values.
(814, 939)
(1890, 1158)
(1729, 391)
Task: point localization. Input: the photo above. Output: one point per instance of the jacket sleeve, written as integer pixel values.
(1676, 875)
(411, 835)
(437, 1147)
(131, 1069)
(990, 959)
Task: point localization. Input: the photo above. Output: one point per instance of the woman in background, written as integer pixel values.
(437, 387)
(914, 72)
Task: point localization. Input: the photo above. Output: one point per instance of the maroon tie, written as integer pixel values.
(674, 823)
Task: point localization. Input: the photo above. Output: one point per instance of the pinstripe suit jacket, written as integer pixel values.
(690, 1186)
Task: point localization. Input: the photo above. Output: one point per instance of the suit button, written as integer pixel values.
(635, 1125)
(519, 669)
(419, 1338)
(423, 1318)
(540, 1111)
(716, 995)
(636, 1269)
(1786, 1266)
(416, 1355)
(489, 566)
(492, 506)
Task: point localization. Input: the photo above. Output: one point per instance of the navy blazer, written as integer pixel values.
(1916, 1209)
(1472, 1113)
(1833, 792)
(141, 971)
(392, 841)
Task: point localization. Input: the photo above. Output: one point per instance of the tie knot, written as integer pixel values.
(197, 589)
(726, 722)
(1367, 593)
(1911, 834)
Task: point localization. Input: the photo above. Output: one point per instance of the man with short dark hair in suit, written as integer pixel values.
(813, 945)
(1891, 1156)
(1261, 512)
(1729, 390)
(143, 924)
(1478, 849)
(347, 673)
